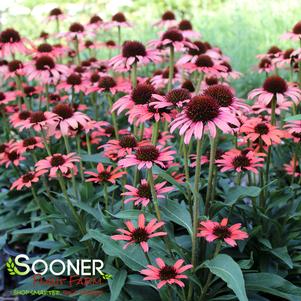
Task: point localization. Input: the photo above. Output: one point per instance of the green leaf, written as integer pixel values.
(246, 263)
(163, 174)
(90, 210)
(283, 255)
(116, 284)
(131, 214)
(133, 257)
(272, 284)
(39, 229)
(295, 117)
(227, 269)
(239, 192)
(178, 213)
(96, 158)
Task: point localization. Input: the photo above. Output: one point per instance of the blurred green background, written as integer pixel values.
(241, 28)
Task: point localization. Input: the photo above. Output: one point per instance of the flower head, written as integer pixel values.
(26, 180)
(256, 129)
(64, 164)
(141, 234)
(142, 193)
(293, 168)
(134, 52)
(211, 231)
(68, 118)
(240, 161)
(105, 175)
(166, 274)
(202, 113)
(148, 155)
(275, 86)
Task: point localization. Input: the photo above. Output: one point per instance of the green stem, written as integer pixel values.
(196, 209)
(154, 194)
(119, 35)
(115, 125)
(74, 212)
(198, 83)
(106, 198)
(211, 170)
(45, 142)
(207, 284)
(155, 133)
(134, 75)
(171, 68)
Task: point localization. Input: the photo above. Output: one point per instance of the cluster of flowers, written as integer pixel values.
(52, 98)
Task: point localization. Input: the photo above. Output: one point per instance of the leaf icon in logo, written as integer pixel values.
(11, 268)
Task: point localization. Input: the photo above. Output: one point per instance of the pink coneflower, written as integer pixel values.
(109, 84)
(142, 194)
(119, 20)
(257, 129)
(11, 157)
(229, 72)
(27, 180)
(272, 53)
(19, 118)
(68, 118)
(134, 52)
(45, 49)
(73, 82)
(45, 70)
(28, 144)
(193, 53)
(95, 23)
(294, 128)
(275, 86)
(32, 91)
(36, 120)
(110, 44)
(105, 175)
(186, 29)
(142, 113)
(168, 19)
(205, 64)
(225, 97)
(161, 78)
(56, 14)
(64, 164)
(174, 98)
(188, 85)
(294, 34)
(292, 168)
(148, 155)
(283, 105)
(174, 38)
(265, 65)
(288, 57)
(76, 32)
(240, 161)
(122, 147)
(211, 231)
(6, 97)
(200, 114)
(141, 234)
(166, 274)
(15, 68)
(140, 95)
(11, 43)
